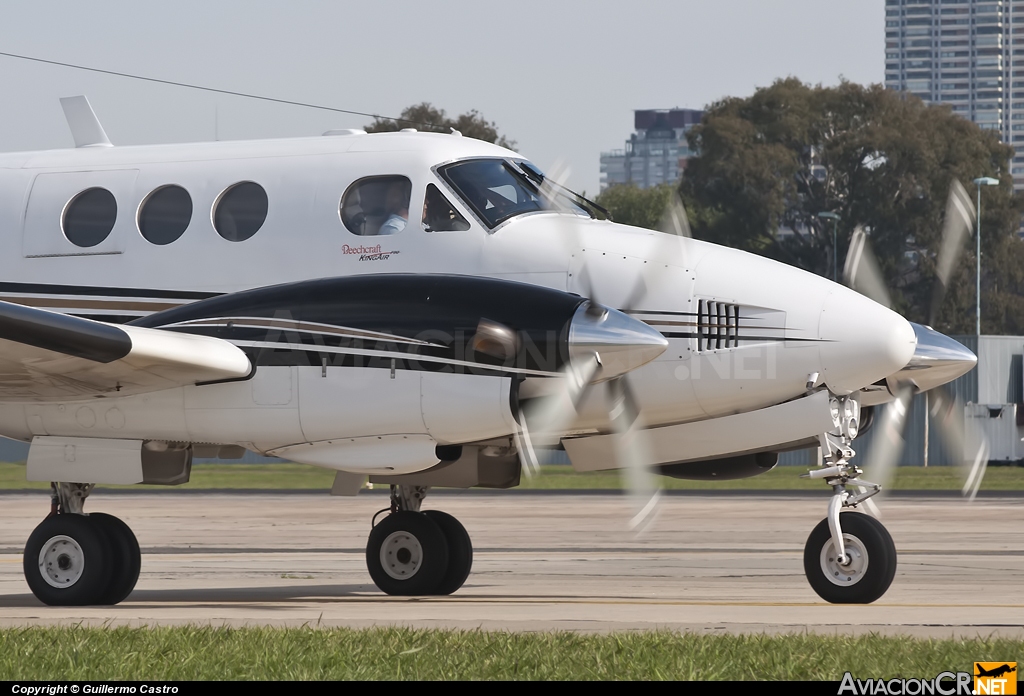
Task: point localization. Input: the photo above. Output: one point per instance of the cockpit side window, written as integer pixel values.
(377, 205)
(439, 215)
(493, 190)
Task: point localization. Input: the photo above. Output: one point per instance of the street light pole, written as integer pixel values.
(979, 182)
(835, 223)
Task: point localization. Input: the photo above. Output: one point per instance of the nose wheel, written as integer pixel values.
(862, 572)
(849, 558)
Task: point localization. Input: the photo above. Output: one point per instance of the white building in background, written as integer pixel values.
(656, 153)
(965, 53)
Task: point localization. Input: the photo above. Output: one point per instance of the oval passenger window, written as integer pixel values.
(89, 217)
(165, 214)
(241, 211)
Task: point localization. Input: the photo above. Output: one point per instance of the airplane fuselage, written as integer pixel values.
(744, 332)
(424, 309)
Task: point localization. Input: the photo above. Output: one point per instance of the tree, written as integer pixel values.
(639, 207)
(770, 163)
(426, 117)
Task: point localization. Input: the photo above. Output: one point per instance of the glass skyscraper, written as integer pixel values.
(968, 54)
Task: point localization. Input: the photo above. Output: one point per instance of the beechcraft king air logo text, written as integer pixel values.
(995, 678)
(368, 253)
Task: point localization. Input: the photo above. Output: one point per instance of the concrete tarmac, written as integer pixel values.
(542, 562)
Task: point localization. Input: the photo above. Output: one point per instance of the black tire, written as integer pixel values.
(872, 567)
(71, 549)
(460, 552)
(126, 559)
(407, 554)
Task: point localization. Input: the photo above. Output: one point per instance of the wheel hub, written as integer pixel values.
(401, 555)
(61, 561)
(853, 570)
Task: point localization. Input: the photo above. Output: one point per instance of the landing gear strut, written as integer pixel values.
(849, 558)
(418, 553)
(74, 559)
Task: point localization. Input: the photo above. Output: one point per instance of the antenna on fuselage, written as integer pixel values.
(85, 127)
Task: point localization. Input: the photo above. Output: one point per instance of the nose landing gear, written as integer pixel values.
(849, 558)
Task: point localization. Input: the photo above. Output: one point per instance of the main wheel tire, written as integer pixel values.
(407, 554)
(872, 565)
(460, 552)
(67, 561)
(126, 560)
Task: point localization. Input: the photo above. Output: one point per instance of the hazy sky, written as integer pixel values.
(561, 77)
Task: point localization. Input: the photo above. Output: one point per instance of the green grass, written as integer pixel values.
(187, 653)
(301, 476)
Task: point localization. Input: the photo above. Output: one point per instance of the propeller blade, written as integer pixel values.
(888, 445)
(948, 414)
(636, 293)
(642, 485)
(554, 182)
(675, 221)
(524, 445)
(862, 272)
(960, 218)
(975, 454)
(587, 287)
(872, 508)
(976, 470)
(549, 417)
(971, 449)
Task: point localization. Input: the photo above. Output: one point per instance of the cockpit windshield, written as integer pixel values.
(498, 190)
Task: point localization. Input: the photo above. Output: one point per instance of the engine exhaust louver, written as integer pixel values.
(718, 325)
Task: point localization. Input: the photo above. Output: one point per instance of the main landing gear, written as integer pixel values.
(849, 558)
(74, 559)
(418, 553)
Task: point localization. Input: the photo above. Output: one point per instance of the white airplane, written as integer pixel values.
(421, 309)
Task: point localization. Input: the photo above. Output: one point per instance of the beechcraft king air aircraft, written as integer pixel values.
(423, 309)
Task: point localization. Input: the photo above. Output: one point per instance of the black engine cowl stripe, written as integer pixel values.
(440, 313)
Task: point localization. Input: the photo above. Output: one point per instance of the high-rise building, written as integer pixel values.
(656, 153)
(965, 53)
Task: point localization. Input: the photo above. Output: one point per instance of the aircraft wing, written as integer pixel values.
(46, 356)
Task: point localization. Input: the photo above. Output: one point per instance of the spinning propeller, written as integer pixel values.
(545, 419)
(939, 354)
